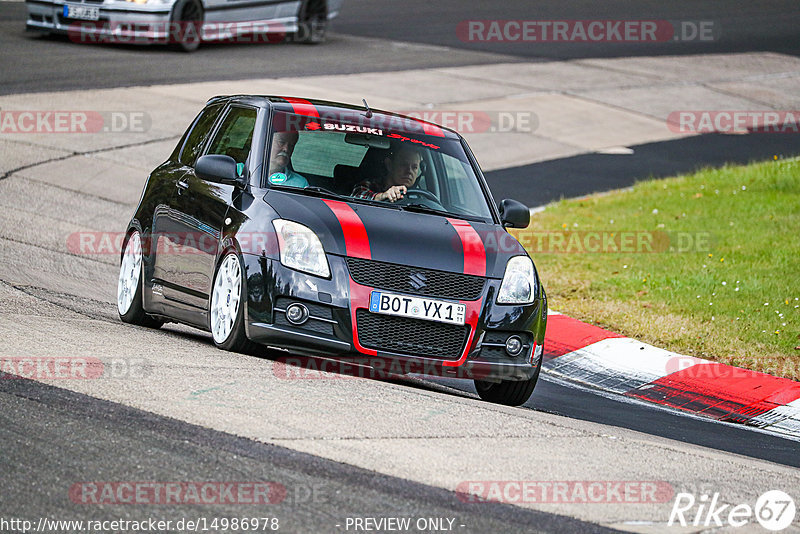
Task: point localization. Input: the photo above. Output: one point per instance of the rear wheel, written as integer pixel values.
(508, 392)
(227, 312)
(129, 285)
(312, 22)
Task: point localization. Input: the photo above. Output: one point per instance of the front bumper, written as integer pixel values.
(332, 328)
(122, 21)
(129, 23)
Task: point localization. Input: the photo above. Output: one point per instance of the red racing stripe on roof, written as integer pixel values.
(302, 107)
(356, 242)
(432, 129)
(474, 251)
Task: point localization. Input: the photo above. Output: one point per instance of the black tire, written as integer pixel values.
(312, 22)
(237, 340)
(135, 313)
(189, 16)
(508, 392)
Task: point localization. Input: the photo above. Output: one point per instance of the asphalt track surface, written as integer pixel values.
(31, 63)
(740, 25)
(41, 423)
(547, 181)
(53, 437)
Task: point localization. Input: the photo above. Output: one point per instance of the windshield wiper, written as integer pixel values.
(422, 208)
(321, 191)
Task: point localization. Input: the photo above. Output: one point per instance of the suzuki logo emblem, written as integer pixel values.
(417, 281)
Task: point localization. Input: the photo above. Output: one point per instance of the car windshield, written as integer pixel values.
(362, 163)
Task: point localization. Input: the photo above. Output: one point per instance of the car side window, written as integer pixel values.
(235, 134)
(198, 134)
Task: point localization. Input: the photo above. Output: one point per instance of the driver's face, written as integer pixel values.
(403, 169)
(282, 148)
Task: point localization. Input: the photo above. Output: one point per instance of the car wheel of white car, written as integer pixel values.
(226, 316)
(312, 22)
(129, 285)
(188, 15)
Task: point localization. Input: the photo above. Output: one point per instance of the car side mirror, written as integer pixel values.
(218, 168)
(514, 214)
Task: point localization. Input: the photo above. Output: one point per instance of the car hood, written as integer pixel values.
(402, 237)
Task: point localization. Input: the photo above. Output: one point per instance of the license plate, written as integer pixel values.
(417, 307)
(72, 11)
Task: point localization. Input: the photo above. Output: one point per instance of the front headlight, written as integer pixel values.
(519, 282)
(300, 248)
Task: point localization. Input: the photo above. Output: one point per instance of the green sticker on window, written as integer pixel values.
(240, 169)
(278, 178)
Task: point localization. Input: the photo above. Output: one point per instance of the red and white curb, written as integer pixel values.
(587, 354)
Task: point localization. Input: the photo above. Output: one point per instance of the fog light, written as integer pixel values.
(297, 313)
(514, 345)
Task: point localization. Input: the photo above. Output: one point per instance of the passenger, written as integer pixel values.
(403, 167)
(280, 169)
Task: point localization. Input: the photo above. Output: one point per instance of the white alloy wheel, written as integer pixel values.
(225, 298)
(130, 271)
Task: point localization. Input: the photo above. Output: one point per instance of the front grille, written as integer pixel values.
(424, 282)
(411, 336)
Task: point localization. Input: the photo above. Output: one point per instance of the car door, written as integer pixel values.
(167, 226)
(201, 210)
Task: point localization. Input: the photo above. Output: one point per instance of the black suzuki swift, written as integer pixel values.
(335, 231)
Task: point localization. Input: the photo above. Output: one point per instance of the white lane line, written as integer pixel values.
(619, 364)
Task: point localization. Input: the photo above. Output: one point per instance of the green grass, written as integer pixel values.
(732, 296)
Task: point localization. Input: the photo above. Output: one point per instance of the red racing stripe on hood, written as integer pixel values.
(474, 251)
(356, 242)
(302, 107)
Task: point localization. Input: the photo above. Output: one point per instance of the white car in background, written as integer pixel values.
(185, 23)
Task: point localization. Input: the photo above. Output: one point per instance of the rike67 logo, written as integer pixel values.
(774, 510)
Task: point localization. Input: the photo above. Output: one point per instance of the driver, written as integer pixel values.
(403, 167)
(280, 169)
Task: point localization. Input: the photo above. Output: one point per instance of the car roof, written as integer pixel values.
(329, 110)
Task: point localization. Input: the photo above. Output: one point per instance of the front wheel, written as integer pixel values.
(312, 23)
(187, 26)
(129, 285)
(227, 312)
(508, 392)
